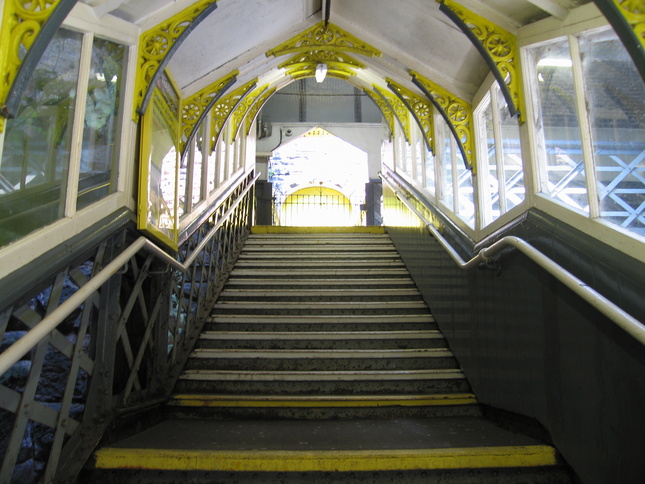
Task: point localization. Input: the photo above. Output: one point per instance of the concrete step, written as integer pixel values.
(319, 295)
(309, 407)
(420, 450)
(320, 360)
(320, 323)
(342, 340)
(322, 274)
(319, 308)
(288, 283)
(373, 382)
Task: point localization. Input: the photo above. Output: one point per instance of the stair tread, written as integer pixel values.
(324, 353)
(322, 375)
(318, 335)
(327, 445)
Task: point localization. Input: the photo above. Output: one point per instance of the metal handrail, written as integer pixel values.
(623, 319)
(22, 346)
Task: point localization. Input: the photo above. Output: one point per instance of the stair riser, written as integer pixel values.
(236, 309)
(303, 326)
(322, 413)
(282, 284)
(320, 364)
(355, 387)
(452, 476)
(285, 297)
(365, 344)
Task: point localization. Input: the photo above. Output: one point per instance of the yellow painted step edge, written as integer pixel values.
(318, 402)
(272, 229)
(326, 461)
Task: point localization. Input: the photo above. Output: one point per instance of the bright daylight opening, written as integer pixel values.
(318, 180)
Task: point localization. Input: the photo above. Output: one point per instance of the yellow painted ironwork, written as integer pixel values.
(22, 20)
(243, 107)
(193, 107)
(224, 107)
(383, 106)
(634, 13)
(502, 47)
(255, 108)
(155, 43)
(326, 461)
(459, 111)
(397, 107)
(327, 37)
(421, 109)
(304, 64)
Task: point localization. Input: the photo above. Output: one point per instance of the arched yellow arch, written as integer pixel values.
(318, 207)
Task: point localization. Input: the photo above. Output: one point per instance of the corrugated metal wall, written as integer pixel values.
(331, 101)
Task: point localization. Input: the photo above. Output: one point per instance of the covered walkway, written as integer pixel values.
(135, 140)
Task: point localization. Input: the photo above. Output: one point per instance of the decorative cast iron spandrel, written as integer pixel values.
(327, 37)
(255, 109)
(224, 107)
(457, 111)
(397, 107)
(501, 46)
(194, 107)
(156, 43)
(420, 109)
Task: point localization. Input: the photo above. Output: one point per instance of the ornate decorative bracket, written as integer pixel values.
(498, 48)
(627, 17)
(339, 64)
(420, 109)
(159, 44)
(457, 113)
(27, 30)
(399, 110)
(255, 108)
(224, 107)
(243, 108)
(323, 37)
(387, 112)
(195, 108)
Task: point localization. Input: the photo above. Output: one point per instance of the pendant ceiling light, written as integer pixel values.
(321, 72)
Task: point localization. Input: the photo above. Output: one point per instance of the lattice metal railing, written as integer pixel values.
(122, 346)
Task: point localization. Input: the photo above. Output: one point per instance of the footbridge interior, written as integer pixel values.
(505, 150)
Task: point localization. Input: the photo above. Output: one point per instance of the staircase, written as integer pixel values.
(321, 363)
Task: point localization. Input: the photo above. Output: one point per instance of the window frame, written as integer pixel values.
(584, 20)
(82, 20)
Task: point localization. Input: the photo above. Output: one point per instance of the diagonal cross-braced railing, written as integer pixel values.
(106, 332)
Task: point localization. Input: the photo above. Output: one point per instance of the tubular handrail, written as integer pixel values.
(624, 320)
(22, 346)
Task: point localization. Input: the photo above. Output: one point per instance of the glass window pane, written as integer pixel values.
(443, 144)
(198, 166)
(616, 102)
(162, 168)
(514, 191)
(102, 127)
(565, 172)
(418, 158)
(35, 157)
(492, 197)
(430, 173)
(466, 209)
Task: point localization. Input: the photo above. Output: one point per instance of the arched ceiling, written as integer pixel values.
(411, 35)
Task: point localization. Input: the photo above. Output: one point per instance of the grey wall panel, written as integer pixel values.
(530, 346)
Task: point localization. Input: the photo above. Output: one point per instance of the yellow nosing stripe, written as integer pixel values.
(272, 229)
(321, 402)
(326, 461)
